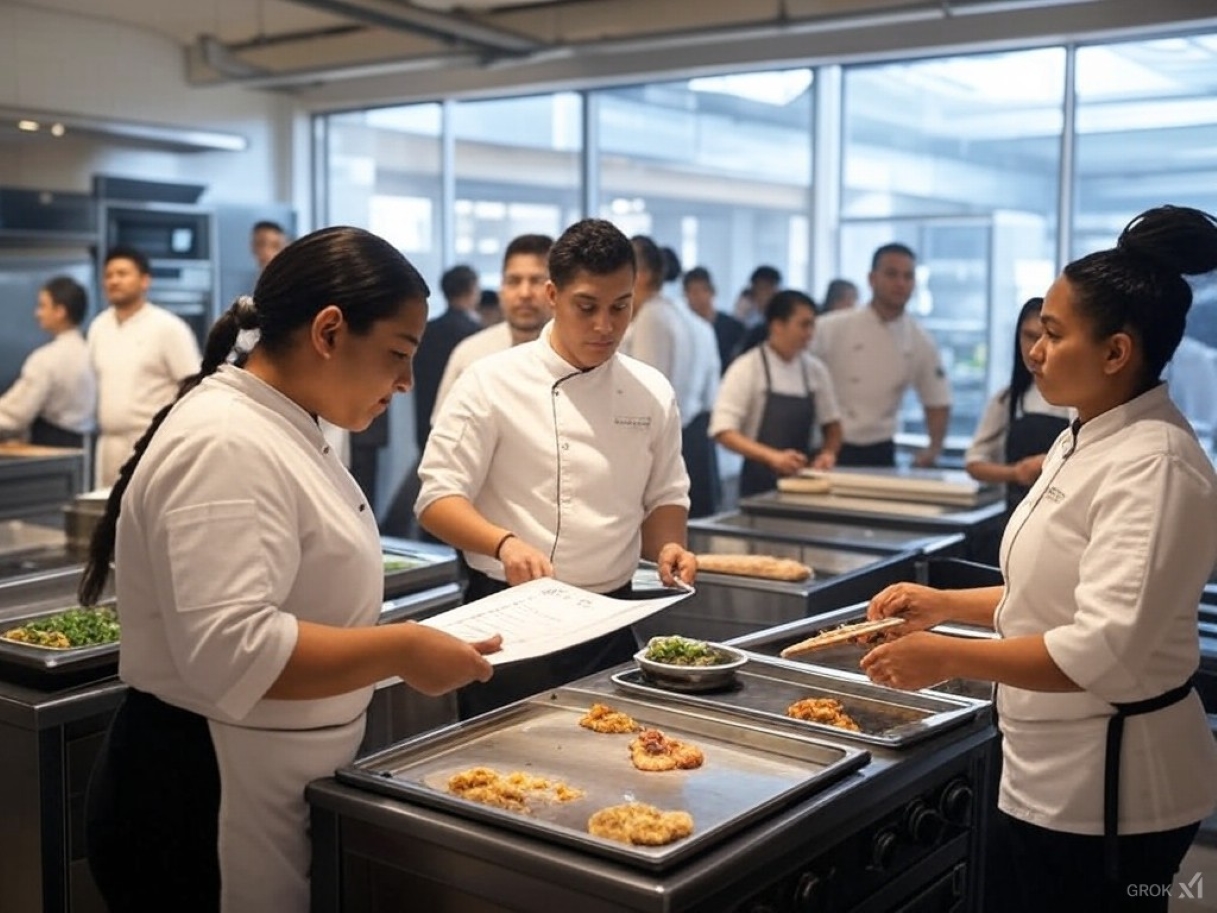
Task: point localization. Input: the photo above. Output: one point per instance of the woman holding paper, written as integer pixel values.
(249, 581)
(1108, 762)
(562, 458)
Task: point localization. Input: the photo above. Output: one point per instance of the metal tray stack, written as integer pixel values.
(764, 688)
(750, 770)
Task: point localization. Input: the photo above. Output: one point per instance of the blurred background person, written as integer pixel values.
(490, 311)
(266, 240)
(53, 400)
(841, 295)
(699, 293)
(460, 321)
(762, 285)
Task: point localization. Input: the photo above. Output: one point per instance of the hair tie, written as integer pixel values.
(247, 309)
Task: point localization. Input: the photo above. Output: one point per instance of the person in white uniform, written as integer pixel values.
(140, 354)
(525, 310)
(1018, 425)
(670, 338)
(249, 582)
(53, 399)
(874, 354)
(1108, 762)
(774, 396)
(561, 458)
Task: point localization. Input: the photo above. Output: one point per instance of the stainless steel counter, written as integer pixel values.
(38, 481)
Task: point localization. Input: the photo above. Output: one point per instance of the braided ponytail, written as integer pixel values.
(220, 343)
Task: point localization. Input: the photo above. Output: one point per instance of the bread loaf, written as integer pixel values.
(805, 485)
(765, 566)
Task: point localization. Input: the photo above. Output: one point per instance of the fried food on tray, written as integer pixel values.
(640, 824)
(822, 710)
(602, 718)
(766, 566)
(512, 791)
(653, 751)
(78, 627)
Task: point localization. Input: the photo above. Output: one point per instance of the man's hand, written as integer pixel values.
(522, 562)
(787, 462)
(676, 561)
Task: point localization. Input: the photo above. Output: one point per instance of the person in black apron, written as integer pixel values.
(1109, 765)
(782, 444)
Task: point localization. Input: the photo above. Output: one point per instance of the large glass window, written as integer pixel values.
(1147, 135)
(719, 169)
(383, 175)
(959, 159)
(517, 171)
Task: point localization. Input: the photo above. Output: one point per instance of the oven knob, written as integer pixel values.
(955, 803)
(883, 849)
(809, 894)
(922, 823)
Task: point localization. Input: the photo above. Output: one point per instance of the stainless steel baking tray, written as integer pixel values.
(749, 770)
(411, 566)
(29, 661)
(764, 688)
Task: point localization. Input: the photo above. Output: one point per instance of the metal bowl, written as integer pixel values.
(694, 678)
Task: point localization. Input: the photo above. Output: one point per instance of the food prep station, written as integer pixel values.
(789, 816)
(35, 482)
(55, 705)
(874, 504)
(727, 606)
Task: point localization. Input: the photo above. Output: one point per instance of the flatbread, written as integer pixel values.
(805, 485)
(841, 635)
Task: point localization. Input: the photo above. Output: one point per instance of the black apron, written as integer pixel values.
(786, 424)
(1030, 434)
(702, 465)
(1111, 768)
(45, 434)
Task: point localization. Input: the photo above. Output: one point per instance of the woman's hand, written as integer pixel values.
(522, 562)
(435, 662)
(911, 662)
(787, 462)
(920, 606)
(676, 561)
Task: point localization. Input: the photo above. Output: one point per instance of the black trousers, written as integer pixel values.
(881, 454)
(517, 681)
(1031, 868)
(152, 811)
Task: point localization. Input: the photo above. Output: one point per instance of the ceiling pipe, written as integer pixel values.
(406, 17)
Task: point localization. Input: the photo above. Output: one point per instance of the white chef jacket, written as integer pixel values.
(138, 364)
(56, 385)
(659, 336)
(570, 461)
(495, 338)
(707, 367)
(741, 398)
(989, 443)
(239, 521)
(872, 362)
(1107, 557)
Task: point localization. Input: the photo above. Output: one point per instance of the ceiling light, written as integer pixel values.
(29, 126)
(58, 130)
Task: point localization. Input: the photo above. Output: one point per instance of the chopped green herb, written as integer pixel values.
(78, 627)
(684, 651)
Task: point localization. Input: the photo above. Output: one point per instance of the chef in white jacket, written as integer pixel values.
(140, 354)
(53, 399)
(1109, 765)
(249, 582)
(561, 458)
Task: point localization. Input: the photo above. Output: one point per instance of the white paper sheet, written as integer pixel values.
(543, 616)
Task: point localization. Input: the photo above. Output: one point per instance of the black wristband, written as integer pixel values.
(499, 548)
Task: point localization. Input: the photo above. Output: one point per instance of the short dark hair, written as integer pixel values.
(837, 289)
(894, 247)
(531, 245)
(782, 305)
(488, 300)
(648, 256)
(1138, 286)
(698, 274)
(671, 264)
(458, 281)
(770, 274)
(594, 246)
(126, 252)
(267, 225)
(70, 295)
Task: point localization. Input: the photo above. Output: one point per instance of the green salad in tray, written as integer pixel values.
(78, 627)
(684, 651)
(399, 563)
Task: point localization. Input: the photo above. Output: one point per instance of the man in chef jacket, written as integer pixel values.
(140, 353)
(561, 458)
(53, 400)
(874, 354)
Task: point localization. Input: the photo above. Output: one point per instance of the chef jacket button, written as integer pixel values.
(363, 507)
(566, 446)
(325, 449)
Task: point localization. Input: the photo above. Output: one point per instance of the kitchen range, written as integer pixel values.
(786, 814)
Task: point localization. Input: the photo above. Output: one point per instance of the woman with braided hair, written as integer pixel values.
(248, 573)
(1108, 762)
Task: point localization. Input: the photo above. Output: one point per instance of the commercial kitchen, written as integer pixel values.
(998, 140)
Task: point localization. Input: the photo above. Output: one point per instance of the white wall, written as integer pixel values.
(71, 64)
